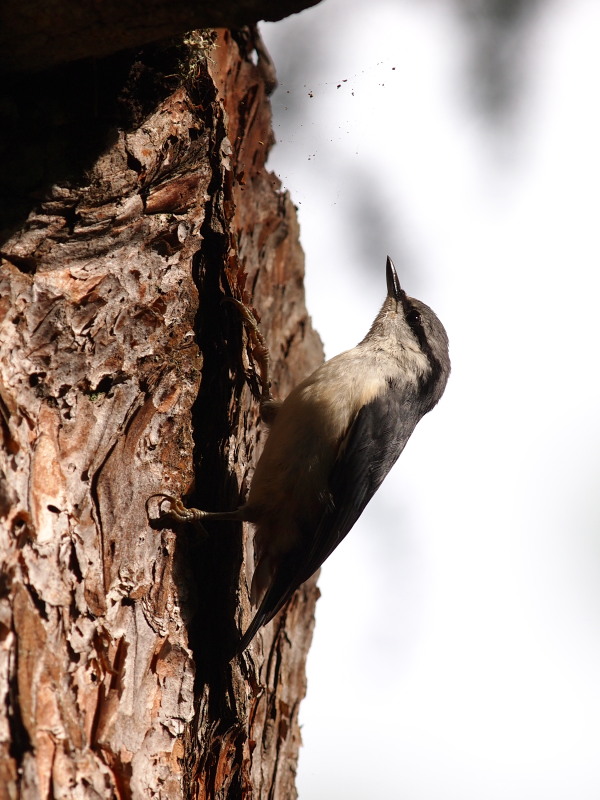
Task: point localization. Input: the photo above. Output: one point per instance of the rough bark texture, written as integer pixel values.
(122, 373)
(37, 34)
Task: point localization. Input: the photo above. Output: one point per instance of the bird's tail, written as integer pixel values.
(276, 596)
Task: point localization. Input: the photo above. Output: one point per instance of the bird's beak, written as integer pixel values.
(393, 284)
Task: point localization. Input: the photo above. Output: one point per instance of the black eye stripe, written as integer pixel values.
(413, 318)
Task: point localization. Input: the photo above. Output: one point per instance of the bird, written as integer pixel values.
(331, 443)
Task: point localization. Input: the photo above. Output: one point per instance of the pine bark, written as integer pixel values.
(137, 200)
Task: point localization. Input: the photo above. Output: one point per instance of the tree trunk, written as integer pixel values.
(138, 201)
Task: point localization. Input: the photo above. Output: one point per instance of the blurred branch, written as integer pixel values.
(497, 29)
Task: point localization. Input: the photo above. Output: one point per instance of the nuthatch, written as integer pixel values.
(331, 444)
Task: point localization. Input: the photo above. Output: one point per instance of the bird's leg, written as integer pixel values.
(260, 351)
(181, 513)
(268, 409)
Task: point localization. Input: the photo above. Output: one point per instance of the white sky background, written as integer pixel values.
(457, 646)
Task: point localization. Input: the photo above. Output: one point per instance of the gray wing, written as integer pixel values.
(371, 447)
(375, 440)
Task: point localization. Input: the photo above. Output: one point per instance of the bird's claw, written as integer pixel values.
(177, 511)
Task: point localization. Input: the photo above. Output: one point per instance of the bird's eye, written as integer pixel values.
(413, 317)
